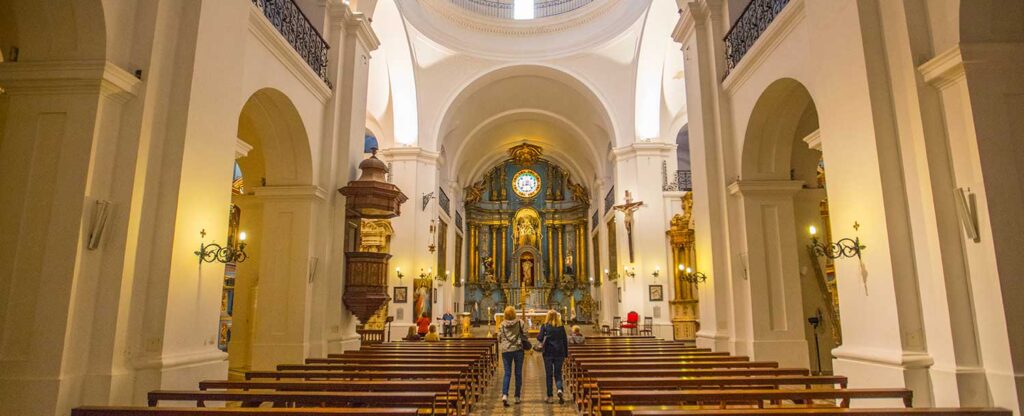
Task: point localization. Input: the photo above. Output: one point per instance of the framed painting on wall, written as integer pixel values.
(657, 293)
(401, 294)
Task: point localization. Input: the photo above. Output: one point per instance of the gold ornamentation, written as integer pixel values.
(525, 153)
(474, 192)
(526, 183)
(579, 192)
(527, 228)
(375, 236)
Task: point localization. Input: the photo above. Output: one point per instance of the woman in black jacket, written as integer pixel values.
(556, 347)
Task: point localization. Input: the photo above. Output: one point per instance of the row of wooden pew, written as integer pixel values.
(647, 376)
(401, 378)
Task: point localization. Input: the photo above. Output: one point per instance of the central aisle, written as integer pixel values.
(533, 393)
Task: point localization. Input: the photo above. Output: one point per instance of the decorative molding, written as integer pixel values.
(780, 28)
(638, 149)
(242, 148)
(690, 17)
(410, 153)
(296, 192)
(188, 359)
(69, 77)
(896, 358)
(813, 140)
(278, 46)
(766, 187)
(358, 24)
(944, 69)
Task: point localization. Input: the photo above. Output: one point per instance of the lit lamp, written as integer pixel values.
(209, 253)
(426, 274)
(845, 247)
(398, 271)
(656, 272)
(630, 271)
(691, 276)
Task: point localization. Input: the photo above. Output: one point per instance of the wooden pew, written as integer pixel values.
(838, 411)
(241, 411)
(312, 399)
(624, 402)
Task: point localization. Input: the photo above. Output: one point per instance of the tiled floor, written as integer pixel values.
(534, 392)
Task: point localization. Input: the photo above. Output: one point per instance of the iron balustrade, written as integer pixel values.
(296, 28)
(503, 9)
(609, 200)
(682, 180)
(443, 200)
(754, 20)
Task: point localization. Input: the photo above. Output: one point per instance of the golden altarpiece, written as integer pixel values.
(683, 306)
(526, 221)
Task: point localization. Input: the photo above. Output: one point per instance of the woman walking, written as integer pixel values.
(555, 345)
(511, 335)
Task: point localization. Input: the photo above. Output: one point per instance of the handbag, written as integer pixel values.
(526, 340)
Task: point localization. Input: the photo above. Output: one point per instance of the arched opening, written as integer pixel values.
(272, 203)
(550, 125)
(783, 191)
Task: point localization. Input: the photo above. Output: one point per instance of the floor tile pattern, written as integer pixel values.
(533, 394)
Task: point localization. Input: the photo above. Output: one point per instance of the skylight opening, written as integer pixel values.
(523, 9)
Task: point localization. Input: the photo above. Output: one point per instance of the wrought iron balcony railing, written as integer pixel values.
(681, 181)
(289, 20)
(503, 9)
(754, 20)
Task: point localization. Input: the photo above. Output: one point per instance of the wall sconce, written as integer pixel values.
(429, 274)
(688, 275)
(433, 237)
(442, 277)
(225, 254)
(845, 247)
(630, 271)
(656, 272)
(398, 271)
(591, 278)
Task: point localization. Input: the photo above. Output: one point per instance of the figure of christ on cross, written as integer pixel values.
(627, 209)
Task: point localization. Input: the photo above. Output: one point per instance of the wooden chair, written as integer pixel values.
(648, 328)
(616, 328)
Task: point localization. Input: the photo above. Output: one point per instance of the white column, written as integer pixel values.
(283, 308)
(351, 39)
(700, 32)
(767, 299)
(61, 147)
(638, 170)
(413, 170)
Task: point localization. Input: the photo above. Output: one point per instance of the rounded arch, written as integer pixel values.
(783, 111)
(564, 76)
(270, 123)
(541, 104)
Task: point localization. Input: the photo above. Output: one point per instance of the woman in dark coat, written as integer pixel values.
(556, 347)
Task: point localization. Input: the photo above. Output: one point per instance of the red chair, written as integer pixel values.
(632, 319)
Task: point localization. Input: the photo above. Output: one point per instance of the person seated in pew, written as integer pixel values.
(412, 336)
(576, 338)
(432, 335)
(423, 324)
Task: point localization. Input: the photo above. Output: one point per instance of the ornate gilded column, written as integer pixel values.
(684, 303)
(560, 231)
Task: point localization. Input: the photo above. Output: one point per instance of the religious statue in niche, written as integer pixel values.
(527, 270)
(579, 192)
(568, 269)
(526, 231)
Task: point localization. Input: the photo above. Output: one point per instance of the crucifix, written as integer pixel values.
(627, 210)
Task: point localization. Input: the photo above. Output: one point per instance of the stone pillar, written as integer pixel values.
(700, 31)
(289, 215)
(351, 39)
(768, 299)
(61, 147)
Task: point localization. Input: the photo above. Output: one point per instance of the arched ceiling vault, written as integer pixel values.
(538, 104)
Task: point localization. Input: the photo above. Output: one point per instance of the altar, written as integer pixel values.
(533, 319)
